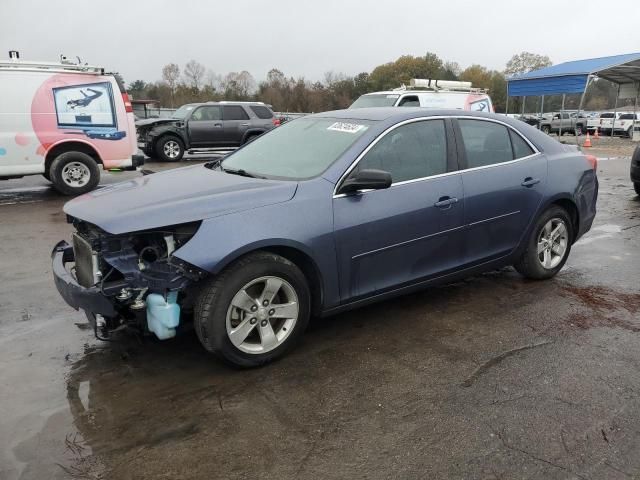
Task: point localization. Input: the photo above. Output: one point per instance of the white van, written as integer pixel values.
(428, 93)
(62, 121)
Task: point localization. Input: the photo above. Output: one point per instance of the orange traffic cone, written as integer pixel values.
(587, 142)
(596, 135)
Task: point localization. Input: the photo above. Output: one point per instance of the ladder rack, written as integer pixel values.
(57, 67)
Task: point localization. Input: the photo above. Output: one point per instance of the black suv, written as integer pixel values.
(210, 125)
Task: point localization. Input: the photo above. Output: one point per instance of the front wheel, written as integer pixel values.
(170, 149)
(546, 129)
(74, 173)
(254, 311)
(630, 132)
(548, 246)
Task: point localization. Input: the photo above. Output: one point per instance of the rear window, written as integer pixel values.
(234, 112)
(606, 115)
(262, 112)
(627, 116)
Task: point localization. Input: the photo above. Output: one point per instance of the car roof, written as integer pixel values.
(398, 114)
(225, 102)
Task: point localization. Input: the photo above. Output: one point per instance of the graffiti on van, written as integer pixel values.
(87, 109)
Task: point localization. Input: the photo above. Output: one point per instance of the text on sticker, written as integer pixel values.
(346, 127)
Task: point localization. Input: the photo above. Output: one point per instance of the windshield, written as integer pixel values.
(182, 112)
(380, 100)
(300, 149)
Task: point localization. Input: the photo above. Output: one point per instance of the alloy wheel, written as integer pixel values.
(262, 315)
(553, 241)
(171, 149)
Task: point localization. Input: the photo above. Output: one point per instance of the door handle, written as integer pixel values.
(217, 125)
(244, 124)
(445, 202)
(530, 182)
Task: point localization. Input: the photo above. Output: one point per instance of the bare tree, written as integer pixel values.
(171, 74)
(194, 74)
(526, 62)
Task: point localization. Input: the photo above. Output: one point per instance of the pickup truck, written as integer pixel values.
(622, 126)
(200, 126)
(569, 122)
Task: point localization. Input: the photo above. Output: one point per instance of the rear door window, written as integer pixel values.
(409, 101)
(485, 143)
(520, 147)
(234, 112)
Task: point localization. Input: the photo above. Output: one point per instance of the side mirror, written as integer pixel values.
(366, 180)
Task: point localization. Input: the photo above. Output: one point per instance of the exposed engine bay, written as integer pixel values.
(138, 274)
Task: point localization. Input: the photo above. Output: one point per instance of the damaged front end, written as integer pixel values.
(128, 280)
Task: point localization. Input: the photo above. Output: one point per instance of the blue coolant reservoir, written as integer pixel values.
(163, 316)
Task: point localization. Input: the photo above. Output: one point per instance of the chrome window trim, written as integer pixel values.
(437, 117)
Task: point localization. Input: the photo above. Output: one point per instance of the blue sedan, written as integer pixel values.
(326, 213)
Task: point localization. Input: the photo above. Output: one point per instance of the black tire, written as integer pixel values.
(579, 130)
(214, 301)
(636, 187)
(630, 132)
(46, 175)
(529, 265)
(149, 152)
(546, 129)
(64, 167)
(172, 143)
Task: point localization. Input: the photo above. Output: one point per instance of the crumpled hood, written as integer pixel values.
(174, 197)
(149, 122)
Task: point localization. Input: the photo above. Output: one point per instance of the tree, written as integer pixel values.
(138, 88)
(525, 62)
(194, 74)
(478, 75)
(171, 74)
(238, 86)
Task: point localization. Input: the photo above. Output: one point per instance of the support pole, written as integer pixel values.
(541, 110)
(635, 107)
(506, 110)
(615, 112)
(561, 114)
(584, 93)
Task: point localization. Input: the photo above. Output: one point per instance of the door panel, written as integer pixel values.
(236, 123)
(501, 195)
(205, 127)
(386, 238)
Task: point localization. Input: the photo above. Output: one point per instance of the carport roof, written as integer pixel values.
(571, 77)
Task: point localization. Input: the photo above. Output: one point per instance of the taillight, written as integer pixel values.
(593, 161)
(127, 103)
(276, 122)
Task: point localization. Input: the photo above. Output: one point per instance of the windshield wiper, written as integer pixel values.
(240, 172)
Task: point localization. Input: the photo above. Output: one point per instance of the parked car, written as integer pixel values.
(635, 169)
(607, 121)
(64, 121)
(624, 125)
(430, 94)
(204, 126)
(577, 123)
(326, 213)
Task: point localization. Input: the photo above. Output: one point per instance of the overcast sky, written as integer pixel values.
(311, 37)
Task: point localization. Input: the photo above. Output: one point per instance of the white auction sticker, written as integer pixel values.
(346, 127)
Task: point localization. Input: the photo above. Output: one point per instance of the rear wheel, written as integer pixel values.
(548, 246)
(254, 311)
(546, 129)
(170, 148)
(630, 132)
(74, 173)
(579, 130)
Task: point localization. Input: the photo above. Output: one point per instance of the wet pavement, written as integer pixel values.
(492, 377)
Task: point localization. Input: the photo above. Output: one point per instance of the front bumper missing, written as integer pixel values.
(88, 299)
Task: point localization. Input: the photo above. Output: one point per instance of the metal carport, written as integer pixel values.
(575, 76)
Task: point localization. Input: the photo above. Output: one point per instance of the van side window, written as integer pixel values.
(485, 143)
(409, 101)
(411, 151)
